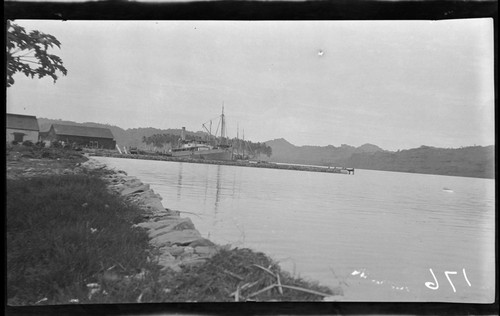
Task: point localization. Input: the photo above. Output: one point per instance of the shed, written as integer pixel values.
(21, 128)
(85, 136)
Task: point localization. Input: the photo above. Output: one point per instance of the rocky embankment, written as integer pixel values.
(176, 239)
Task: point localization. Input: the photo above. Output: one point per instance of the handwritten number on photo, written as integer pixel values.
(435, 285)
(447, 273)
(431, 285)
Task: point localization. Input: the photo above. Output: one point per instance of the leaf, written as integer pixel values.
(24, 49)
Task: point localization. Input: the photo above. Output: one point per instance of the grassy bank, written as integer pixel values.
(69, 240)
(64, 232)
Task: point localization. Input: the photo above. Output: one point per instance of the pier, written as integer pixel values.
(239, 163)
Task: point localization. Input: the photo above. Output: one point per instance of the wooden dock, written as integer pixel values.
(239, 163)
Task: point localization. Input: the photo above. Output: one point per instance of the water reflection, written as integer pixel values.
(207, 181)
(179, 182)
(217, 190)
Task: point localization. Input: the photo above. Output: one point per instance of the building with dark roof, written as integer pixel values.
(21, 128)
(84, 136)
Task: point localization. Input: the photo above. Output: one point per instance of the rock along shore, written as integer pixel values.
(178, 242)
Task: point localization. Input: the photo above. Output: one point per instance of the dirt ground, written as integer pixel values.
(22, 161)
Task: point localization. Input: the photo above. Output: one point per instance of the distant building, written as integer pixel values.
(21, 128)
(84, 136)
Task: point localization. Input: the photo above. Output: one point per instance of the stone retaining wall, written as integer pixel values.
(176, 239)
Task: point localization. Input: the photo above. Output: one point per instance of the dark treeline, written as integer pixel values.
(160, 140)
(245, 147)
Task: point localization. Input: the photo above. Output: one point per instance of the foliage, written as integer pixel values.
(25, 50)
(259, 148)
(159, 140)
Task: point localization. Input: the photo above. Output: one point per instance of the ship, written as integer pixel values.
(215, 147)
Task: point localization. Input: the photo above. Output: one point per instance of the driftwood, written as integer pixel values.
(297, 288)
(265, 269)
(246, 286)
(234, 275)
(263, 290)
(280, 288)
(305, 290)
(237, 294)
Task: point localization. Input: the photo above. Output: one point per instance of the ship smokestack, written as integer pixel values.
(183, 133)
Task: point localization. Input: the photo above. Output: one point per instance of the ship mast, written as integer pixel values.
(223, 126)
(238, 138)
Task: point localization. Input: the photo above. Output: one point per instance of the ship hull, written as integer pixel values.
(212, 154)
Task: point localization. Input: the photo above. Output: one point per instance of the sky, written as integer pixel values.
(395, 84)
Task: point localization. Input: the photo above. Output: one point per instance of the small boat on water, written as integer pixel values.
(214, 148)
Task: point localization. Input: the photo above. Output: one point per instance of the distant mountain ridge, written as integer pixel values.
(284, 151)
(474, 161)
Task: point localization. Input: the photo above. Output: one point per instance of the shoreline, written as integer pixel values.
(177, 265)
(179, 243)
(176, 238)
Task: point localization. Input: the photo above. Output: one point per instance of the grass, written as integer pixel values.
(242, 271)
(64, 232)
(69, 240)
(35, 152)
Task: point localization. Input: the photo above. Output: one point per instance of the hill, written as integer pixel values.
(474, 161)
(283, 151)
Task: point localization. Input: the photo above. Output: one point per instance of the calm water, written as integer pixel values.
(380, 235)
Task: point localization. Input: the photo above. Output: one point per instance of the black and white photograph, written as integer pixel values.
(159, 161)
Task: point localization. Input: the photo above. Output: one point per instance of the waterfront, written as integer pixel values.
(379, 232)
